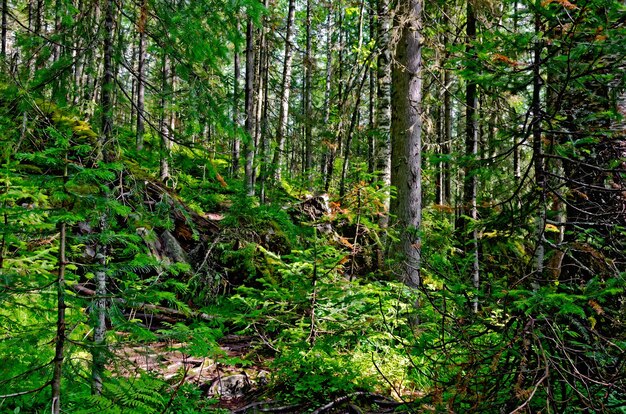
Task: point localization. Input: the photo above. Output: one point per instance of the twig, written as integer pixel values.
(345, 398)
(285, 408)
(532, 394)
(17, 394)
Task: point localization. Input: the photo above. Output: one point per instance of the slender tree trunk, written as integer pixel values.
(308, 105)
(56, 46)
(407, 137)
(283, 117)
(98, 353)
(104, 151)
(471, 151)
(383, 110)
(37, 15)
(538, 150)
(236, 142)
(165, 127)
(328, 87)
(447, 129)
(335, 147)
(141, 62)
(250, 116)
(5, 11)
(353, 122)
(371, 141)
(60, 334)
(446, 115)
(100, 305)
(262, 140)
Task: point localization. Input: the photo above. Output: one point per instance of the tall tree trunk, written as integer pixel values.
(59, 353)
(383, 110)
(105, 153)
(5, 11)
(335, 147)
(250, 116)
(446, 114)
(141, 62)
(328, 87)
(60, 335)
(349, 133)
(371, 141)
(236, 141)
(471, 151)
(447, 129)
(262, 139)
(100, 306)
(105, 144)
(283, 116)
(165, 127)
(308, 105)
(537, 148)
(406, 127)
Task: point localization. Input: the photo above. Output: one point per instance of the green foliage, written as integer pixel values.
(326, 331)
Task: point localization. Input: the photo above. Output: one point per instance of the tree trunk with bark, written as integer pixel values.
(166, 143)
(59, 352)
(283, 116)
(383, 110)
(406, 132)
(538, 150)
(308, 104)
(470, 185)
(236, 145)
(104, 144)
(5, 11)
(249, 103)
(141, 62)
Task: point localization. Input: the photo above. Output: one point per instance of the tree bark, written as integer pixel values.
(236, 141)
(383, 110)
(328, 88)
(406, 129)
(5, 11)
(104, 151)
(141, 61)
(308, 105)
(446, 179)
(283, 116)
(349, 133)
(471, 151)
(100, 306)
(334, 148)
(60, 335)
(250, 116)
(371, 141)
(538, 150)
(165, 127)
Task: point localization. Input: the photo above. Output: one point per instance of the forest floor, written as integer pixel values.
(232, 386)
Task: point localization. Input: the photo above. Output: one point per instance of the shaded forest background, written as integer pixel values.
(342, 206)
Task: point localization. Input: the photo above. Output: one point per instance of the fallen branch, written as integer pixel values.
(163, 310)
(17, 394)
(345, 398)
(279, 409)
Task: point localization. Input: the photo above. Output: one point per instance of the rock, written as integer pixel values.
(173, 249)
(231, 386)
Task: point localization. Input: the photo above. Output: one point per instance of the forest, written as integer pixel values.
(337, 206)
